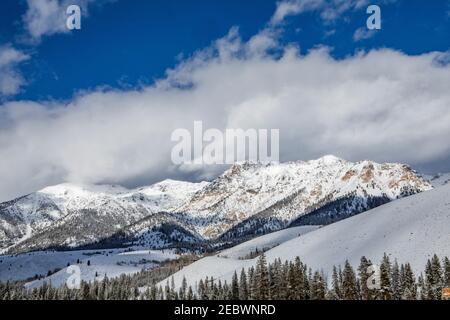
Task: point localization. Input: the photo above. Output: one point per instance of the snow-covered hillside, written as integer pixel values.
(265, 242)
(247, 200)
(410, 229)
(112, 263)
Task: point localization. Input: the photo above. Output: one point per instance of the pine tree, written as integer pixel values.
(234, 287)
(243, 286)
(183, 289)
(408, 284)
(190, 294)
(421, 288)
(251, 283)
(262, 278)
(364, 265)
(395, 285)
(337, 293)
(273, 287)
(446, 272)
(318, 289)
(292, 287)
(167, 292)
(173, 293)
(433, 279)
(202, 291)
(349, 290)
(437, 275)
(385, 279)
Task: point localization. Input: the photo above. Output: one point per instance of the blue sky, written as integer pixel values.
(129, 43)
(99, 105)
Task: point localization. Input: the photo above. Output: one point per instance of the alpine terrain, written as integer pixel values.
(248, 199)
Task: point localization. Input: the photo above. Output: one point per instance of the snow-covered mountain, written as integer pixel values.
(410, 230)
(255, 198)
(72, 215)
(248, 199)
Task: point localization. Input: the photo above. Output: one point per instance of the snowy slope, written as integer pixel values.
(411, 229)
(265, 242)
(110, 263)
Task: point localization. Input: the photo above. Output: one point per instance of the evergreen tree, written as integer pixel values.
(202, 291)
(243, 286)
(234, 287)
(349, 290)
(167, 293)
(183, 289)
(364, 265)
(173, 293)
(190, 294)
(318, 287)
(421, 288)
(336, 291)
(446, 272)
(292, 280)
(262, 278)
(395, 284)
(385, 292)
(434, 278)
(408, 284)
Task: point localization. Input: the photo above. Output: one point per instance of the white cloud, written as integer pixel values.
(294, 7)
(48, 17)
(363, 33)
(330, 10)
(10, 78)
(383, 105)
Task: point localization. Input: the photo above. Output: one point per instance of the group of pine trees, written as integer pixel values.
(293, 280)
(289, 280)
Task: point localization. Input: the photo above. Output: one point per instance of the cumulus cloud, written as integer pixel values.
(382, 105)
(10, 78)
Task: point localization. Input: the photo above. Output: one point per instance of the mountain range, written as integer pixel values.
(247, 200)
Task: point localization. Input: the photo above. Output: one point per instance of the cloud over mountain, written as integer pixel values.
(383, 105)
(379, 104)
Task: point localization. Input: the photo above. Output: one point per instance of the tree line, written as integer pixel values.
(288, 280)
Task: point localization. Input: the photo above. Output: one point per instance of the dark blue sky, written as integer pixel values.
(127, 43)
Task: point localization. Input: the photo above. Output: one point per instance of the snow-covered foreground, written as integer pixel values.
(111, 263)
(411, 230)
